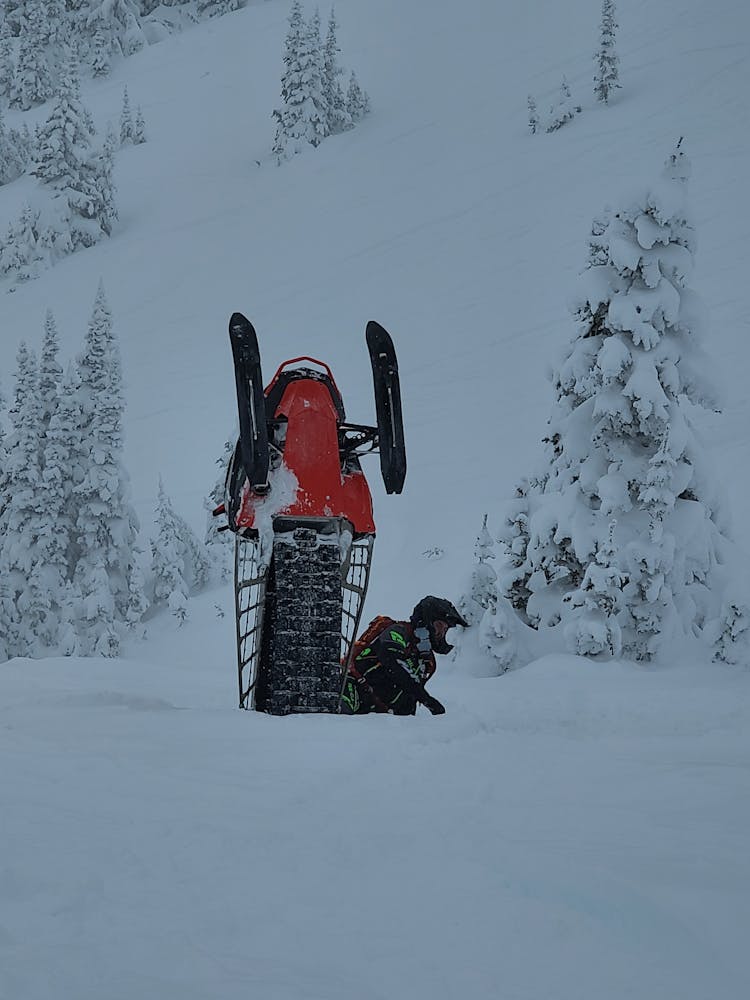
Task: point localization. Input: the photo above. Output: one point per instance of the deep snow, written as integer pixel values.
(571, 830)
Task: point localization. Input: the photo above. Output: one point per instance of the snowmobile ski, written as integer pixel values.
(250, 402)
(387, 407)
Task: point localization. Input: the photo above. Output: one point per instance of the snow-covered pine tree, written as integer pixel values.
(22, 517)
(219, 544)
(23, 252)
(139, 130)
(482, 585)
(119, 23)
(607, 75)
(622, 445)
(533, 115)
(564, 111)
(731, 639)
(50, 373)
(357, 101)
(215, 8)
(13, 152)
(32, 82)
(106, 523)
(304, 115)
(100, 54)
(92, 202)
(338, 117)
(63, 141)
(178, 564)
(127, 131)
(7, 61)
(287, 141)
(62, 468)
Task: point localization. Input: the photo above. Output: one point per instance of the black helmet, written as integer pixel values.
(436, 609)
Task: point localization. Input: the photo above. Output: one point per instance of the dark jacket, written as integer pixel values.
(389, 674)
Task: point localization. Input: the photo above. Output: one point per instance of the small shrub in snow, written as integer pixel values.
(533, 115)
(564, 111)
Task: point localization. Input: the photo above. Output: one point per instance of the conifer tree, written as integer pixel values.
(63, 141)
(139, 131)
(32, 83)
(357, 101)
(100, 54)
(482, 586)
(50, 372)
(178, 563)
(304, 115)
(62, 459)
(106, 525)
(7, 61)
(22, 518)
(218, 544)
(564, 111)
(621, 445)
(126, 120)
(607, 75)
(119, 23)
(13, 152)
(338, 117)
(533, 115)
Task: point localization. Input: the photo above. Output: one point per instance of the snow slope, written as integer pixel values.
(571, 830)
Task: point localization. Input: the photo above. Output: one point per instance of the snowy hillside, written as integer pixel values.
(570, 830)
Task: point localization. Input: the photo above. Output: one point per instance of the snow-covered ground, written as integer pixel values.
(570, 831)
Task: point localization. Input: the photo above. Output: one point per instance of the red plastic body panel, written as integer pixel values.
(311, 452)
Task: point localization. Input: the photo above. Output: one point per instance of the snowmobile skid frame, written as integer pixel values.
(300, 507)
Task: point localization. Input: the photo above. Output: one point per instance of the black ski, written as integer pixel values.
(387, 407)
(250, 401)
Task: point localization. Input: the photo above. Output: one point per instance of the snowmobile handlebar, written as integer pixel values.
(293, 361)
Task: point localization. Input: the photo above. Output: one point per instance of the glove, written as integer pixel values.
(433, 705)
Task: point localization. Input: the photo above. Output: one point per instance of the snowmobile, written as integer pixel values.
(300, 508)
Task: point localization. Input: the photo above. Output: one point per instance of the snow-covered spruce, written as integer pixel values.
(303, 119)
(75, 206)
(22, 516)
(607, 74)
(219, 545)
(126, 120)
(314, 105)
(15, 149)
(564, 111)
(482, 588)
(621, 535)
(106, 526)
(179, 565)
(533, 115)
(497, 628)
(357, 101)
(339, 118)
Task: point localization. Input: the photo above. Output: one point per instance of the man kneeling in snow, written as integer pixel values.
(392, 661)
